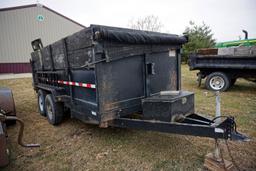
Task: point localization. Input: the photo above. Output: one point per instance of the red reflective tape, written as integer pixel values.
(76, 84)
(72, 83)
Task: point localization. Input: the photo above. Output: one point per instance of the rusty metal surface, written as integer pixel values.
(8, 115)
(6, 102)
(3, 148)
(21, 130)
(208, 51)
(4, 118)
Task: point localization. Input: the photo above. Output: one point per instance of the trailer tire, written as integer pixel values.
(41, 102)
(54, 110)
(217, 81)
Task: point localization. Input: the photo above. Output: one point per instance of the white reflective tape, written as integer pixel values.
(219, 130)
(172, 53)
(94, 113)
(77, 84)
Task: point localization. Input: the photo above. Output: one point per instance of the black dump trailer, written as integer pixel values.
(222, 71)
(106, 75)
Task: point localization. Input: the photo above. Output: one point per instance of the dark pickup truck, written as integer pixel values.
(222, 71)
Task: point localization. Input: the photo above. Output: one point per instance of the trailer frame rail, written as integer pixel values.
(194, 124)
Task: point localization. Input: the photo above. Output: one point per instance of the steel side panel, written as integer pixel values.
(84, 76)
(120, 84)
(166, 72)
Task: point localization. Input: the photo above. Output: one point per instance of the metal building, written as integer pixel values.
(20, 25)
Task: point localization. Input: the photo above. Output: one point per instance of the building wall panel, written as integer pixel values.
(20, 26)
(15, 68)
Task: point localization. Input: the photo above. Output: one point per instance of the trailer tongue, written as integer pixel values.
(193, 124)
(175, 114)
(105, 74)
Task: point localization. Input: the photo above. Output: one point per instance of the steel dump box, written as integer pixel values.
(105, 72)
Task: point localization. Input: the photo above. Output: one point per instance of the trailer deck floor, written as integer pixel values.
(77, 146)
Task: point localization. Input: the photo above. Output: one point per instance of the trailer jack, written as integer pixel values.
(194, 125)
(214, 161)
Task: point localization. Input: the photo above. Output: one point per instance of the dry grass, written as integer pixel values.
(77, 146)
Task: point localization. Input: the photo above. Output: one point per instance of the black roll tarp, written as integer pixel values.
(131, 36)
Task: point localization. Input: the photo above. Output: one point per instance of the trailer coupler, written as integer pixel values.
(192, 124)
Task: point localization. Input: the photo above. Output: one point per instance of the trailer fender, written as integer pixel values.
(53, 91)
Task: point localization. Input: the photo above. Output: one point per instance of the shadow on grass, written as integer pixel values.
(243, 87)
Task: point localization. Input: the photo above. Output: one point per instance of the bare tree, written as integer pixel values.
(149, 23)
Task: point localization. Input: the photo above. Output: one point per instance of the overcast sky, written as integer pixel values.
(226, 18)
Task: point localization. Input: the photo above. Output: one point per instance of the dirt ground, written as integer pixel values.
(74, 145)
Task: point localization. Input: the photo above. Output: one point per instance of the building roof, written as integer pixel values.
(43, 6)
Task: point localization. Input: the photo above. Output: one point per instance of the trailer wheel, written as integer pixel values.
(41, 102)
(54, 110)
(217, 81)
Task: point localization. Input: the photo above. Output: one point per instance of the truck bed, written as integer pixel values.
(197, 62)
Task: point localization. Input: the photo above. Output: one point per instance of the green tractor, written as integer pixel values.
(245, 42)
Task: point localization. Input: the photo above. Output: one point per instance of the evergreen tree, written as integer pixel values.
(200, 36)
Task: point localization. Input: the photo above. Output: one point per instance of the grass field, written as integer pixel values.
(77, 146)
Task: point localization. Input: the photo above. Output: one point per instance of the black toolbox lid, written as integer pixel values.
(167, 98)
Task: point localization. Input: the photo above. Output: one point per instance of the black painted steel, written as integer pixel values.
(233, 66)
(224, 130)
(168, 108)
(221, 62)
(125, 65)
(125, 68)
